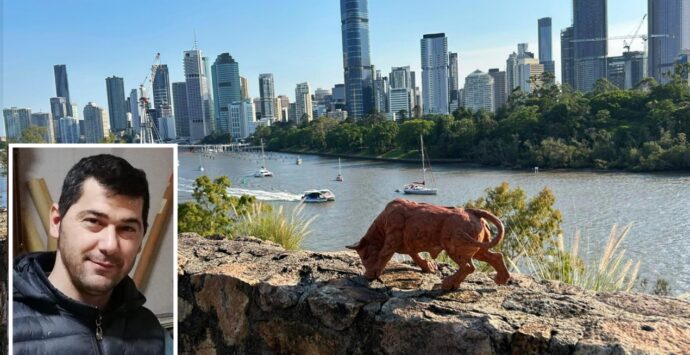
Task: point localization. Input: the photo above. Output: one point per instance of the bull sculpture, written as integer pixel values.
(407, 227)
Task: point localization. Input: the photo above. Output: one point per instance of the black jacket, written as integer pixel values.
(48, 322)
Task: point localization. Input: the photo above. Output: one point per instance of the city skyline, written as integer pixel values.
(479, 44)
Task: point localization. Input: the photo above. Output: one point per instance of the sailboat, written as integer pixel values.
(298, 161)
(201, 166)
(340, 175)
(420, 187)
(263, 172)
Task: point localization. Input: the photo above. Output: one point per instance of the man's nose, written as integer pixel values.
(108, 241)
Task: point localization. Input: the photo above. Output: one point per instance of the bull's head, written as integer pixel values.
(368, 253)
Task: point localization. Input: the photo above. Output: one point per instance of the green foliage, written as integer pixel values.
(275, 225)
(33, 134)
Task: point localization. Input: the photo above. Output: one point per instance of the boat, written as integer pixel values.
(420, 187)
(263, 172)
(201, 166)
(318, 196)
(298, 161)
(340, 175)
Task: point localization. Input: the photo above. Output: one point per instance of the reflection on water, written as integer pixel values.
(658, 205)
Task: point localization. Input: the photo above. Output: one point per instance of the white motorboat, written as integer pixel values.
(420, 187)
(340, 175)
(298, 161)
(263, 172)
(317, 196)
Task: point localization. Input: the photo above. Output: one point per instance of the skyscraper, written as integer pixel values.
(669, 34)
(381, 93)
(162, 97)
(545, 45)
(434, 50)
(133, 109)
(96, 123)
(267, 95)
(303, 105)
(590, 44)
(453, 79)
(627, 70)
(44, 120)
(69, 129)
(241, 118)
(58, 108)
(400, 93)
(479, 91)
(227, 88)
(197, 94)
(244, 88)
(567, 57)
(62, 85)
(179, 90)
(116, 104)
(16, 121)
(500, 90)
(359, 73)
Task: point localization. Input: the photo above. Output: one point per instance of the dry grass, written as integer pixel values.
(288, 230)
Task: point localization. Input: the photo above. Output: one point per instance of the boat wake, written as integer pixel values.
(186, 186)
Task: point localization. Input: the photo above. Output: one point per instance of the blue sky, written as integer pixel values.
(297, 40)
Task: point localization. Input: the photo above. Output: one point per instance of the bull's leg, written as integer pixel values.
(384, 257)
(465, 268)
(426, 265)
(496, 261)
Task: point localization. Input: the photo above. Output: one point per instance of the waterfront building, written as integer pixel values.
(479, 91)
(434, 51)
(96, 123)
(358, 70)
(227, 89)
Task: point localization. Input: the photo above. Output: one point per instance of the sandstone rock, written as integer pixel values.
(251, 297)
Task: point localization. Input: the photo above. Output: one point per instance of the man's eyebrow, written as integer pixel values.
(105, 216)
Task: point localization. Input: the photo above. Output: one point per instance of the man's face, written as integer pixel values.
(99, 238)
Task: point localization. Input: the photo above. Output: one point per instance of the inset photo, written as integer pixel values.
(92, 246)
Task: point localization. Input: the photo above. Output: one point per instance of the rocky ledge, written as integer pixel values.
(251, 297)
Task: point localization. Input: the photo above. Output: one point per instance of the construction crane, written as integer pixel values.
(627, 44)
(148, 129)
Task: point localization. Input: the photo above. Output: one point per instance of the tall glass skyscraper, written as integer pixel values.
(62, 85)
(545, 45)
(567, 57)
(179, 91)
(197, 94)
(227, 88)
(453, 77)
(162, 97)
(117, 105)
(267, 94)
(669, 33)
(435, 73)
(359, 73)
(590, 45)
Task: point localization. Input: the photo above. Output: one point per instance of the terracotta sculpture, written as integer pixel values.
(408, 227)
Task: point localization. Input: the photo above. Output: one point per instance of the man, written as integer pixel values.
(79, 300)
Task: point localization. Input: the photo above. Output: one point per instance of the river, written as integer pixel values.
(657, 204)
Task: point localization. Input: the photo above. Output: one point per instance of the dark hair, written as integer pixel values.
(114, 173)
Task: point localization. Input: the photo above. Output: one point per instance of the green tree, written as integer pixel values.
(33, 134)
(410, 130)
(381, 137)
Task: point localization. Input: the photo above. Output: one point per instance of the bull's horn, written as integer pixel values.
(353, 246)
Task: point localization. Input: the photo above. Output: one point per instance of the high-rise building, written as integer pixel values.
(381, 93)
(453, 79)
(669, 34)
(567, 57)
(96, 123)
(62, 85)
(58, 108)
(500, 90)
(627, 70)
(257, 108)
(545, 45)
(303, 105)
(134, 110)
(69, 129)
(479, 91)
(209, 106)
(590, 33)
(241, 118)
(285, 107)
(416, 104)
(401, 93)
(244, 88)
(227, 88)
(400, 77)
(359, 73)
(162, 97)
(166, 128)
(117, 111)
(179, 91)
(515, 74)
(16, 121)
(267, 95)
(197, 94)
(45, 121)
(434, 50)
(529, 74)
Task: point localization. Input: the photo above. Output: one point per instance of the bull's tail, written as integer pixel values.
(495, 221)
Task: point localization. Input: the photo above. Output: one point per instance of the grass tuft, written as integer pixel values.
(288, 230)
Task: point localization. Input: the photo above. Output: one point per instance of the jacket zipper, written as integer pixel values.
(99, 329)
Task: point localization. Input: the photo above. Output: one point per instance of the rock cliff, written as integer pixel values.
(252, 297)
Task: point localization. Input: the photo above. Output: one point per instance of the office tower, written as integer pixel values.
(590, 34)
(628, 70)
(96, 123)
(545, 46)
(303, 105)
(500, 89)
(197, 94)
(359, 73)
(244, 88)
(400, 94)
(267, 95)
(453, 79)
(257, 107)
(416, 104)
(225, 72)
(479, 91)
(381, 93)
(400, 77)
(669, 34)
(179, 91)
(162, 97)
(62, 85)
(241, 118)
(166, 127)
(58, 108)
(434, 50)
(338, 97)
(209, 106)
(16, 121)
(116, 103)
(285, 107)
(278, 106)
(45, 121)
(69, 129)
(567, 57)
(529, 74)
(292, 112)
(135, 112)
